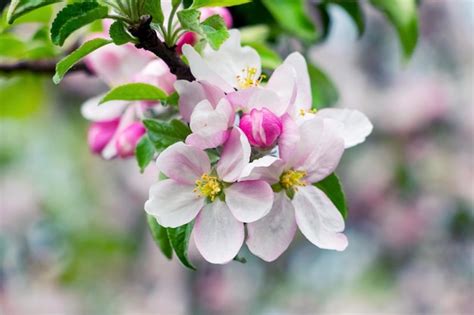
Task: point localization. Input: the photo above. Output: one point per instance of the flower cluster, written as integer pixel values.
(256, 151)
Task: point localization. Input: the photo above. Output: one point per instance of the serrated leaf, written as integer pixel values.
(153, 8)
(144, 152)
(332, 187)
(179, 239)
(74, 16)
(324, 91)
(160, 236)
(403, 15)
(215, 31)
(134, 92)
(292, 16)
(163, 134)
(118, 33)
(217, 3)
(20, 7)
(189, 20)
(69, 61)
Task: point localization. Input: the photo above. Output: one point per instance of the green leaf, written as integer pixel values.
(292, 16)
(73, 17)
(11, 46)
(20, 7)
(119, 34)
(173, 99)
(332, 187)
(153, 8)
(270, 58)
(21, 95)
(215, 31)
(163, 134)
(189, 20)
(69, 61)
(179, 239)
(403, 15)
(160, 236)
(354, 10)
(134, 92)
(322, 88)
(217, 3)
(144, 152)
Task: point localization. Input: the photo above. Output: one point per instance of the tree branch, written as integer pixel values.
(149, 41)
(40, 66)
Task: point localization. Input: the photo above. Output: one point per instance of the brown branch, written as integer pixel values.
(149, 41)
(40, 66)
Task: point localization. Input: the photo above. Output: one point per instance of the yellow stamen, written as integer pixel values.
(303, 112)
(292, 179)
(249, 78)
(208, 186)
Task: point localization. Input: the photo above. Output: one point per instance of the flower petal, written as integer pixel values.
(183, 163)
(210, 142)
(289, 138)
(283, 83)
(91, 109)
(356, 125)
(217, 234)
(249, 200)
(206, 121)
(318, 219)
(235, 156)
(267, 168)
(270, 236)
(173, 204)
(126, 120)
(303, 99)
(265, 98)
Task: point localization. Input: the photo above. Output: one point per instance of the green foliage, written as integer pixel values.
(189, 20)
(354, 10)
(135, 92)
(21, 7)
(292, 16)
(119, 34)
(63, 66)
(160, 236)
(11, 46)
(322, 88)
(179, 239)
(73, 17)
(217, 3)
(20, 96)
(332, 187)
(144, 152)
(153, 8)
(403, 15)
(163, 134)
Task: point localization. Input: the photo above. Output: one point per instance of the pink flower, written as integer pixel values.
(127, 139)
(261, 127)
(157, 73)
(100, 133)
(195, 190)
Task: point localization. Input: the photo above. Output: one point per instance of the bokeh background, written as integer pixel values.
(73, 234)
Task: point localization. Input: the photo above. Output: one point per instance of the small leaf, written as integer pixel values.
(20, 7)
(163, 134)
(189, 20)
(215, 31)
(173, 99)
(403, 15)
(160, 236)
(118, 33)
(179, 239)
(73, 17)
(134, 92)
(322, 88)
(144, 152)
(217, 3)
(153, 8)
(332, 187)
(69, 61)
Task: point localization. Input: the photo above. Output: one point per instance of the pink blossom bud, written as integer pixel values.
(261, 127)
(187, 38)
(128, 138)
(100, 133)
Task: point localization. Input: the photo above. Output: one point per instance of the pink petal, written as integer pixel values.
(249, 200)
(270, 236)
(267, 168)
(289, 138)
(318, 219)
(173, 204)
(128, 118)
(217, 234)
(235, 156)
(283, 83)
(210, 142)
(183, 163)
(207, 121)
(91, 109)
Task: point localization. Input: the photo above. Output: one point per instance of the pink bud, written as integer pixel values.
(187, 38)
(261, 127)
(128, 138)
(100, 133)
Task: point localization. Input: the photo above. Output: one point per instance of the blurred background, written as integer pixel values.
(73, 233)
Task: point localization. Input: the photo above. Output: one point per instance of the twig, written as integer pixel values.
(149, 40)
(40, 66)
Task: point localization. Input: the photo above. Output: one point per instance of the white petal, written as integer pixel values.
(270, 236)
(356, 125)
(235, 156)
(173, 204)
(207, 121)
(267, 168)
(91, 109)
(318, 219)
(217, 234)
(265, 98)
(183, 163)
(303, 98)
(283, 83)
(249, 200)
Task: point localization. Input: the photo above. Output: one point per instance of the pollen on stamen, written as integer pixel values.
(248, 78)
(208, 186)
(291, 179)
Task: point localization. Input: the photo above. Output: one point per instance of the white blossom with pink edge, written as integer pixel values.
(195, 190)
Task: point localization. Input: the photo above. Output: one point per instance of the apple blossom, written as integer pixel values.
(128, 138)
(261, 127)
(100, 133)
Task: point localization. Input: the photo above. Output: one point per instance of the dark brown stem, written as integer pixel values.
(148, 40)
(39, 66)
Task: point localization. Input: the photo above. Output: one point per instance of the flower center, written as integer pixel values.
(291, 179)
(208, 186)
(303, 112)
(249, 78)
